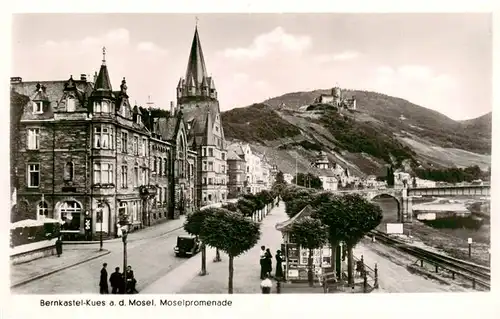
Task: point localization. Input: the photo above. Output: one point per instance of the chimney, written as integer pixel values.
(172, 108)
(16, 79)
(83, 77)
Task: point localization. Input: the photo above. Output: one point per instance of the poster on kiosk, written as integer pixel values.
(297, 258)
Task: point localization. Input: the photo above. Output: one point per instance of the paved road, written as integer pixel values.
(150, 258)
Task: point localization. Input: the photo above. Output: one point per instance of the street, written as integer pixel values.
(150, 258)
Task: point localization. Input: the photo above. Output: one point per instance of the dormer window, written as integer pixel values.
(124, 110)
(70, 104)
(101, 107)
(138, 119)
(38, 107)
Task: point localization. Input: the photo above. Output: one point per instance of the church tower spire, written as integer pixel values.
(196, 82)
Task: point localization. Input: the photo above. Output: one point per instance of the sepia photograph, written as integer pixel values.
(238, 153)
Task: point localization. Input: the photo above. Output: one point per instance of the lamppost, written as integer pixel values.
(124, 223)
(100, 220)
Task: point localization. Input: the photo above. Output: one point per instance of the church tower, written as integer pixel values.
(197, 99)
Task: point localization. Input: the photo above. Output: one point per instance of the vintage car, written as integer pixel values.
(187, 246)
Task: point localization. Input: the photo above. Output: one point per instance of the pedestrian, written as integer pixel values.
(262, 261)
(268, 262)
(266, 285)
(131, 280)
(279, 269)
(103, 283)
(116, 281)
(59, 246)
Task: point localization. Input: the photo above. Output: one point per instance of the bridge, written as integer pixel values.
(403, 196)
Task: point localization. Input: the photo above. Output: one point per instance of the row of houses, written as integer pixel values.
(88, 157)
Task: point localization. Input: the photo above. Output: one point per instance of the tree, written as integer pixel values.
(194, 226)
(348, 218)
(231, 233)
(311, 234)
(246, 207)
(302, 197)
(231, 207)
(390, 176)
(308, 180)
(280, 178)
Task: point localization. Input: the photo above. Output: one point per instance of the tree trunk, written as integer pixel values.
(231, 273)
(350, 264)
(338, 264)
(310, 276)
(333, 248)
(217, 255)
(203, 259)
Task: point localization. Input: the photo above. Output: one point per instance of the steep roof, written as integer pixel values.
(285, 226)
(232, 156)
(196, 68)
(102, 85)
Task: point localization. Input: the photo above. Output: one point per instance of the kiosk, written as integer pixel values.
(295, 263)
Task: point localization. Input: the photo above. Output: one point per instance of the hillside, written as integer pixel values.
(383, 130)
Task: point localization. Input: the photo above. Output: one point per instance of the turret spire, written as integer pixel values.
(102, 85)
(103, 55)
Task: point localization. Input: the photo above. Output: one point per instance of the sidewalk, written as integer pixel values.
(26, 272)
(246, 267)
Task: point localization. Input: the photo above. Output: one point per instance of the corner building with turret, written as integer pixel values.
(197, 100)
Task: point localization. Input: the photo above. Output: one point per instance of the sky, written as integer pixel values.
(442, 61)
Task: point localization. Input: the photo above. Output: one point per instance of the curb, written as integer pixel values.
(25, 281)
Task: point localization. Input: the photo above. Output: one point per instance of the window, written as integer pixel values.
(38, 107)
(138, 119)
(238, 166)
(209, 197)
(124, 138)
(217, 129)
(124, 110)
(210, 166)
(135, 145)
(165, 194)
(71, 214)
(136, 175)
(122, 209)
(204, 181)
(165, 166)
(102, 107)
(159, 166)
(124, 174)
(144, 177)
(210, 152)
(144, 146)
(33, 175)
(103, 137)
(103, 173)
(237, 178)
(155, 163)
(205, 166)
(70, 104)
(160, 189)
(223, 155)
(68, 171)
(204, 151)
(248, 169)
(210, 181)
(42, 210)
(33, 138)
(223, 170)
(135, 210)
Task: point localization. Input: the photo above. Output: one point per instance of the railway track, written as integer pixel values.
(478, 274)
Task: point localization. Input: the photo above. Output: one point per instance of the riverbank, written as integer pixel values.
(453, 241)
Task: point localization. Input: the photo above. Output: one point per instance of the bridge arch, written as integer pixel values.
(373, 197)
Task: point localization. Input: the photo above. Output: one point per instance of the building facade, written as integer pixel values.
(197, 100)
(236, 175)
(86, 158)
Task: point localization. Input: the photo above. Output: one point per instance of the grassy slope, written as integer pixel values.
(284, 134)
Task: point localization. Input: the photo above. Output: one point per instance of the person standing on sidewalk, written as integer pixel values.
(103, 283)
(116, 281)
(262, 261)
(279, 269)
(266, 285)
